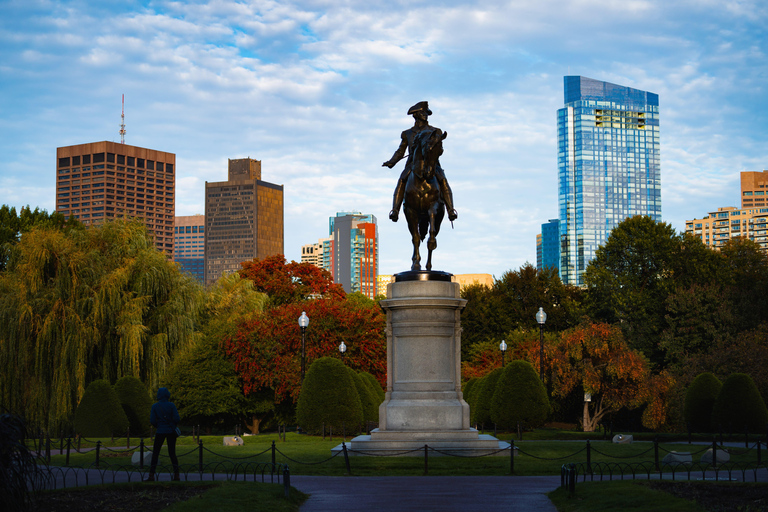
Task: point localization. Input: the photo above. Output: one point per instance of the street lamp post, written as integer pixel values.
(541, 317)
(342, 349)
(303, 323)
(503, 348)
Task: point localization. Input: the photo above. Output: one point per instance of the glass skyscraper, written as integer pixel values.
(608, 166)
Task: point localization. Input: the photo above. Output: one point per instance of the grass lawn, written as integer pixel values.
(173, 496)
(624, 496)
(309, 455)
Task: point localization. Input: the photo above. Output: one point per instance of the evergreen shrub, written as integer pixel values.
(739, 406)
(368, 401)
(99, 413)
(699, 402)
(328, 396)
(485, 395)
(136, 402)
(519, 397)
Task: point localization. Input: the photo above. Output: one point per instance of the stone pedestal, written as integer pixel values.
(424, 402)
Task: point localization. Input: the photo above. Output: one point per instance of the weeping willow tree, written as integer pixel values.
(97, 303)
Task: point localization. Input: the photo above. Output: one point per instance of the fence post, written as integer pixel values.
(287, 481)
(572, 478)
(141, 453)
(98, 449)
(61, 443)
(79, 440)
(128, 439)
(346, 458)
(69, 445)
(273, 453)
(511, 456)
(200, 456)
(656, 451)
(48, 448)
(714, 456)
(759, 452)
(426, 459)
(589, 457)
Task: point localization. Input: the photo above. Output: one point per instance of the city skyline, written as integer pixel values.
(320, 92)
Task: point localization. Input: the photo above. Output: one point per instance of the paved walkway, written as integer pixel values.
(427, 493)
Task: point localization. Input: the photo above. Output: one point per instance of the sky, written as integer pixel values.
(319, 90)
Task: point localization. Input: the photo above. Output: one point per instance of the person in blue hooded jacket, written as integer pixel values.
(164, 417)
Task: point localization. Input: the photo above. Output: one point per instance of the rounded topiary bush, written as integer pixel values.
(134, 398)
(485, 395)
(328, 396)
(470, 396)
(699, 401)
(99, 413)
(519, 397)
(739, 405)
(375, 386)
(368, 401)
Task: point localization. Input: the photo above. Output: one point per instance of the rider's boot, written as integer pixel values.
(447, 193)
(397, 200)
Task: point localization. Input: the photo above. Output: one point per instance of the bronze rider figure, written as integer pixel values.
(420, 112)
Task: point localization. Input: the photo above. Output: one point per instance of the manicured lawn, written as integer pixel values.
(625, 496)
(310, 455)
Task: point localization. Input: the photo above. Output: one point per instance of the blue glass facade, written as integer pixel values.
(550, 245)
(608, 166)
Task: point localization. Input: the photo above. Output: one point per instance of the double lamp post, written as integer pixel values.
(304, 323)
(541, 318)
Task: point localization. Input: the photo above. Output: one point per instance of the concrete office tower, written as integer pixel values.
(608, 166)
(107, 180)
(243, 219)
(189, 245)
(355, 252)
(754, 187)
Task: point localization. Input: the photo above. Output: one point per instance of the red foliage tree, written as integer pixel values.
(596, 357)
(292, 282)
(267, 352)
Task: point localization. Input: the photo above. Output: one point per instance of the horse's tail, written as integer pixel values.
(423, 227)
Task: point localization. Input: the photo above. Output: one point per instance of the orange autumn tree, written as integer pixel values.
(596, 357)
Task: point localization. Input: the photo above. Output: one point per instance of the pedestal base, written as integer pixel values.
(410, 443)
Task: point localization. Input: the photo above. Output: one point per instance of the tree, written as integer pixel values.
(368, 400)
(266, 353)
(99, 413)
(82, 305)
(699, 402)
(640, 265)
(292, 282)
(328, 398)
(739, 405)
(520, 397)
(136, 402)
(596, 357)
(12, 226)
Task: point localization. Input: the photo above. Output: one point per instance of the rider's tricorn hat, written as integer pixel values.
(422, 105)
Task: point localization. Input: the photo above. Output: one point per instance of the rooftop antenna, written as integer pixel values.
(122, 123)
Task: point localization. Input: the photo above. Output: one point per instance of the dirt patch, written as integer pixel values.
(144, 497)
(719, 497)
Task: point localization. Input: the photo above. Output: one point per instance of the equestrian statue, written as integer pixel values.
(422, 185)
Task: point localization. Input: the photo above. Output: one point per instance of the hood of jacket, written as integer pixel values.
(163, 395)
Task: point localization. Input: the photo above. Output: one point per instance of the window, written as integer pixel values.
(111, 158)
(64, 162)
(121, 159)
(98, 158)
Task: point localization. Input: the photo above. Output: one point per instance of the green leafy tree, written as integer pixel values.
(739, 405)
(328, 398)
(520, 397)
(83, 305)
(13, 225)
(100, 413)
(640, 265)
(136, 402)
(699, 402)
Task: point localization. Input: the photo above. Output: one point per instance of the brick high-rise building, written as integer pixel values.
(754, 187)
(106, 180)
(243, 219)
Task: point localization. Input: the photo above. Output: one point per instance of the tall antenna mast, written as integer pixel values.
(122, 123)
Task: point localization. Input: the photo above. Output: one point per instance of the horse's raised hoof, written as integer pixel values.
(393, 215)
(452, 215)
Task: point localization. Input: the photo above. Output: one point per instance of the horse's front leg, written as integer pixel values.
(432, 240)
(413, 227)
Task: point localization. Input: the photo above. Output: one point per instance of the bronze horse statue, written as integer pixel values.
(424, 206)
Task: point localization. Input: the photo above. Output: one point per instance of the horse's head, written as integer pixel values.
(428, 148)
